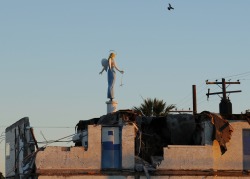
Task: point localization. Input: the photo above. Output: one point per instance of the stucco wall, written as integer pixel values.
(86, 177)
(10, 152)
(141, 177)
(75, 158)
(179, 157)
(55, 157)
(17, 136)
(128, 147)
(233, 158)
(175, 157)
(208, 156)
(189, 177)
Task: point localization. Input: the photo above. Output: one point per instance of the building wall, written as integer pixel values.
(10, 153)
(141, 177)
(199, 158)
(128, 147)
(56, 158)
(208, 156)
(61, 158)
(86, 177)
(233, 158)
(183, 157)
(17, 147)
(190, 177)
(111, 147)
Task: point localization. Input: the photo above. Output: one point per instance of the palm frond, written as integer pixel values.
(154, 107)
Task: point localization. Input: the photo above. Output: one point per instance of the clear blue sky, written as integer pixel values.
(51, 51)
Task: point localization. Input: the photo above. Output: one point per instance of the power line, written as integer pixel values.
(240, 74)
(58, 140)
(230, 76)
(244, 79)
(188, 97)
(52, 127)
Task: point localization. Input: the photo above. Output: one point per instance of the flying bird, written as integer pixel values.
(170, 7)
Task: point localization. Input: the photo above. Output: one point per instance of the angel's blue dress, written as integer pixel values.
(111, 83)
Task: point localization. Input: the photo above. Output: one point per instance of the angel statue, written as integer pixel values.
(110, 66)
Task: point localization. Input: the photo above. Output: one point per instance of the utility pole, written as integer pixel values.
(194, 103)
(194, 100)
(225, 104)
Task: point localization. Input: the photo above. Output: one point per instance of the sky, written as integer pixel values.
(51, 52)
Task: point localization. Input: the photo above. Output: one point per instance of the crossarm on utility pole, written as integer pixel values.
(222, 92)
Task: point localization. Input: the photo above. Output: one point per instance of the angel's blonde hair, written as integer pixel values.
(112, 55)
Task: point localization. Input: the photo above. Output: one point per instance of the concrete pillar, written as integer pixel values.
(111, 106)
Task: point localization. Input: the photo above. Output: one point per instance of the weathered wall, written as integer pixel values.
(181, 128)
(61, 158)
(16, 145)
(207, 134)
(233, 158)
(190, 177)
(208, 156)
(141, 177)
(75, 158)
(10, 152)
(190, 157)
(128, 147)
(179, 157)
(85, 177)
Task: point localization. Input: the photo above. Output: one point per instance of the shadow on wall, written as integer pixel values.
(155, 133)
(159, 132)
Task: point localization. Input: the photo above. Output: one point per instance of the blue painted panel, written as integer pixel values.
(110, 132)
(108, 159)
(117, 161)
(246, 145)
(111, 148)
(246, 149)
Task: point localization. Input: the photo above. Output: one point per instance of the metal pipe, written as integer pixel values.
(194, 100)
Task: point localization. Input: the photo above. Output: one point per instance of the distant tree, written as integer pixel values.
(154, 107)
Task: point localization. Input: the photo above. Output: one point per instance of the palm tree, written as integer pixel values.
(153, 107)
